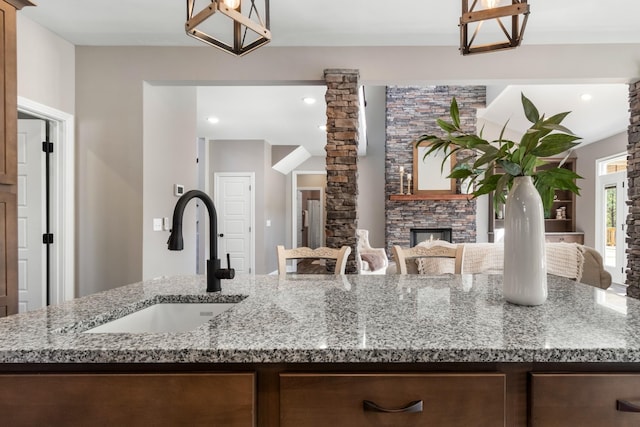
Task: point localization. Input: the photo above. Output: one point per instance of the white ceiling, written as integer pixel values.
(273, 113)
(604, 115)
(346, 22)
(277, 113)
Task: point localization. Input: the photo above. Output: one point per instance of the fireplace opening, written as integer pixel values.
(423, 234)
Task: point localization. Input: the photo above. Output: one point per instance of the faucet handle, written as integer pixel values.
(231, 272)
(226, 273)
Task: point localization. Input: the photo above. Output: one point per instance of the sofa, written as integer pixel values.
(577, 262)
(593, 272)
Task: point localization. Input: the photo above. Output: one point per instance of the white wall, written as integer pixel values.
(46, 84)
(586, 168)
(169, 157)
(315, 163)
(255, 156)
(46, 66)
(484, 206)
(273, 199)
(109, 140)
(312, 180)
(109, 82)
(371, 179)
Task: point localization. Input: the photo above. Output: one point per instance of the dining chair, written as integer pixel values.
(339, 255)
(436, 250)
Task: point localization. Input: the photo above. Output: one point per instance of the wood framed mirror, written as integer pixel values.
(430, 175)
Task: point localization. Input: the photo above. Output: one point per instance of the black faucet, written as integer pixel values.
(175, 243)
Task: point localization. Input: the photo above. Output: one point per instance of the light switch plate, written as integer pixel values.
(157, 224)
(178, 190)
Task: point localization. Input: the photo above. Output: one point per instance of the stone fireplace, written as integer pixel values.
(411, 112)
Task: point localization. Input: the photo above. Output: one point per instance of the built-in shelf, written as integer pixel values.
(410, 197)
(561, 227)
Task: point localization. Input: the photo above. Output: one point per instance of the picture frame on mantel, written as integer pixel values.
(430, 175)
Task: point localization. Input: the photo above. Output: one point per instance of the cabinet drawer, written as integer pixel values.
(583, 399)
(128, 399)
(566, 238)
(476, 399)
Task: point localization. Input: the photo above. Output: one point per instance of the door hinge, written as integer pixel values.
(47, 238)
(47, 147)
(249, 229)
(249, 187)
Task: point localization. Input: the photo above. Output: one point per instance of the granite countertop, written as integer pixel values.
(349, 319)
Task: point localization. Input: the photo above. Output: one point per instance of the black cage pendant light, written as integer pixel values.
(479, 12)
(235, 26)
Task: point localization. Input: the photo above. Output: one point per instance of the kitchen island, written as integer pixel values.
(289, 345)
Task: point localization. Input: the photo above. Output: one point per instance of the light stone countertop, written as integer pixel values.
(354, 319)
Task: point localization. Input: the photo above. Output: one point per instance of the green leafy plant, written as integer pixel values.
(493, 165)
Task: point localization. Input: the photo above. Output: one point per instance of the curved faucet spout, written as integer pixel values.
(175, 242)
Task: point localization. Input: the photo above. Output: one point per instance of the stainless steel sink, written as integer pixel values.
(163, 317)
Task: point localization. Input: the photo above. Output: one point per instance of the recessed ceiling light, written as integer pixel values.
(213, 120)
(308, 100)
(585, 97)
(322, 127)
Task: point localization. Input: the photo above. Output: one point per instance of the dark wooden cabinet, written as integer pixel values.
(8, 157)
(8, 254)
(438, 399)
(145, 399)
(317, 394)
(585, 399)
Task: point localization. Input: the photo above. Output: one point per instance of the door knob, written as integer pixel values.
(220, 235)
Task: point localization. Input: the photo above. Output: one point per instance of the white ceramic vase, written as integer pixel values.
(525, 263)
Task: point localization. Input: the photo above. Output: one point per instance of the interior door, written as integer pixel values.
(234, 205)
(612, 224)
(31, 269)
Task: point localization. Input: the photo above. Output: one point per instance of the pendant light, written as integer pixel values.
(475, 13)
(235, 26)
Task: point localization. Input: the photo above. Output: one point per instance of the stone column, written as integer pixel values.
(633, 179)
(342, 160)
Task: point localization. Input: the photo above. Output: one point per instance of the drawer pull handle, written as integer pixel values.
(415, 406)
(625, 406)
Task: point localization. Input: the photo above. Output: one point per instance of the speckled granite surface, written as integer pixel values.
(345, 319)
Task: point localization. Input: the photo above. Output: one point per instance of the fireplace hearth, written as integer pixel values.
(418, 235)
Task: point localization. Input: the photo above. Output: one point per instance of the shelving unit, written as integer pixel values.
(556, 230)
